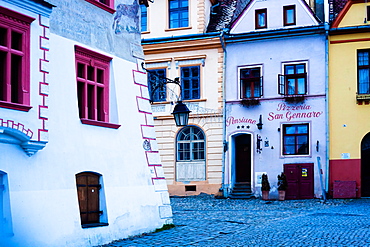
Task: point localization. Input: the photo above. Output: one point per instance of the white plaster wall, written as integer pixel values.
(43, 195)
(271, 54)
(275, 19)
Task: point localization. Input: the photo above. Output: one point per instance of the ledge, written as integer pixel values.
(100, 123)
(94, 225)
(15, 106)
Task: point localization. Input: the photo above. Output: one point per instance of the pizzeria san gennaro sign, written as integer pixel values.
(295, 112)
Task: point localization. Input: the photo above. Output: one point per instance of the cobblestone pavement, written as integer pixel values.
(206, 221)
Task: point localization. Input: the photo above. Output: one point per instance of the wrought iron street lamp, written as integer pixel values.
(181, 111)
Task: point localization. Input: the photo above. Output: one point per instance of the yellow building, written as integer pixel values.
(349, 97)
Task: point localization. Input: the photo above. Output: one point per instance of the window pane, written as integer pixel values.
(290, 130)
(100, 76)
(302, 129)
(261, 19)
(99, 103)
(81, 99)
(363, 58)
(363, 81)
(2, 76)
(291, 86)
(16, 78)
(301, 85)
(289, 70)
(3, 38)
(290, 16)
(80, 70)
(90, 102)
(300, 68)
(90, 73)
(17, 41)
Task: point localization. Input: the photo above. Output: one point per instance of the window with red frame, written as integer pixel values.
(92, 71)
(295, 139)
(14, 60)
(289, 15)
(107, 5)
(261, 18)
(251, 83)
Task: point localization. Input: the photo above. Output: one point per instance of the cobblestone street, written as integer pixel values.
(206, 221)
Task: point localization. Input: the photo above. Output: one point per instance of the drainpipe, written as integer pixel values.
(327, 104)
(225, 144)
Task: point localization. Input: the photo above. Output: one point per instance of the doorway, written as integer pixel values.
(300, 181)
(365, 166)
(243, 158)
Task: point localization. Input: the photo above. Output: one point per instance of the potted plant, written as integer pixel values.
(265, 187)
(282, 186)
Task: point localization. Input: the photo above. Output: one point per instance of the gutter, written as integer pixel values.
(327, 107)
(197, 36)
(225, 144)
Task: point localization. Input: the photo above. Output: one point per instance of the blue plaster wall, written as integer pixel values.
(84, 22)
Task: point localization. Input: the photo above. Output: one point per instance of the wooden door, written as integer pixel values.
(243, 158)
(88, 197)
(365, 166)
(300, 181)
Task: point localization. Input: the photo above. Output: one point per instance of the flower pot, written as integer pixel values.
(281, 195)
(265, 195)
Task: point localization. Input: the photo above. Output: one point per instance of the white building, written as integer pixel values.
(79, 163)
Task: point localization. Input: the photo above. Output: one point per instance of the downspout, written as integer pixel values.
(225, 144)
(327, 105)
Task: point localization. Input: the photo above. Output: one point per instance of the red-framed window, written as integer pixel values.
(261, 18)
(289, 15)
(14, 60)
(295, 139)
(107, 5)
(250, 83)
(92, 75)
(294, 80)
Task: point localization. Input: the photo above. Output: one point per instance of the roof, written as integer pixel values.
(224, 13)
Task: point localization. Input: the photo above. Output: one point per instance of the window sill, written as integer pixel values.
(176, 29)
(100, 123)
(102, 6)
(91, 225)
(15, 106)
(360, 97)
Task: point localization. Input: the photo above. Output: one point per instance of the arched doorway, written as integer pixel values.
(243, 158)
(365, 166)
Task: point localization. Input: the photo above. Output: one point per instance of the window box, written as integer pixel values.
(294, 98)
(250, 102)
(361, 97)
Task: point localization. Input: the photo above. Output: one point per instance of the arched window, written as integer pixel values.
(191, 155)
(190, 144)
(89, 193)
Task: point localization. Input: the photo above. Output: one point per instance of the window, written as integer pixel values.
(363, 71)
(294, 80)
(289, 15)
(190, 82)
(295, 139)
(107, 5)
(178, 13)
(14, 60)
(190, 144)
(144, 18)
(261, 18)
(88, 191)
(157, 91)
(251, 83)
(92, 73)
(368, 13)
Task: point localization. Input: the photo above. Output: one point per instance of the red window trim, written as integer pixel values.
(286, 8)
(107, 7)
(258, 11)
(97, 61)
(19, 23)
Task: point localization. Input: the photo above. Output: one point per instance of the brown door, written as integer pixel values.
(88, 197)
(365, 166)
(243, 158)
(300, 181)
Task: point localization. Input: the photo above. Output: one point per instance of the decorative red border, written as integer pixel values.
(99, 123)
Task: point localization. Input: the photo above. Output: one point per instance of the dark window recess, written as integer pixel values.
(157, 89)
(260, 18)
(190, 188)
(178, 13)
(144, 18)
(251, 83)
(363, 72)
(294, 80)
(190, 82)
(289, 15)
(295, 139)
(88, 190)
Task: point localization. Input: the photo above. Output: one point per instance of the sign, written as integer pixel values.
(304, 172)
(293, 112)
(231, 120)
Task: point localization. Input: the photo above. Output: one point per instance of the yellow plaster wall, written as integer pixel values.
(348, 121)
(355, 16)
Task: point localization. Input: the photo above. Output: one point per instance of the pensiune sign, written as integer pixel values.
(295, 112)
